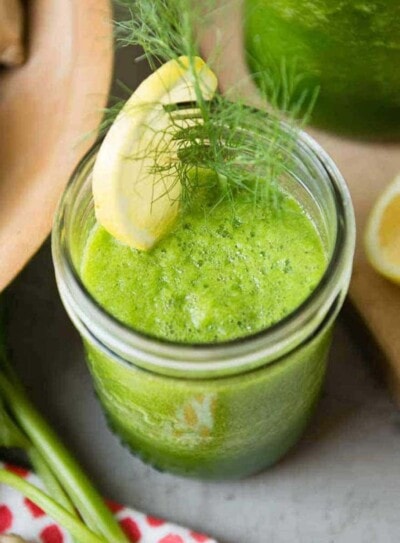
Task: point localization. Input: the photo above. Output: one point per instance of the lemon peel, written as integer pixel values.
(382, 234)
(135, 201)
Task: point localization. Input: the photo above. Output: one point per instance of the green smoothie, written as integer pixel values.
(349, 49)
(220, 274)
(203, 250)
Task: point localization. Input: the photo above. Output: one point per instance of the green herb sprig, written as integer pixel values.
(249, 162)
(71, 499)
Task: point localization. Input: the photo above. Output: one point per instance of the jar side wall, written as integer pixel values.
(224, 428)
(82, 220)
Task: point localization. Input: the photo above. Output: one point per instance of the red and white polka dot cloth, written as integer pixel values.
(20, 516)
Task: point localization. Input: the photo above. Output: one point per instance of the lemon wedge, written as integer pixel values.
(382, 236)
(136, 193)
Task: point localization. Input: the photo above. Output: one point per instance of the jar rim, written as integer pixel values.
(131, 346)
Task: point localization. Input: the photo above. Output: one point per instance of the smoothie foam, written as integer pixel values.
(220, 274)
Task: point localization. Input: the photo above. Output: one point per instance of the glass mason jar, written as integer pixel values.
(350, 50)
(222, 410)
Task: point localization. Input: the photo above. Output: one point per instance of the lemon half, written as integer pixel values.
(136, 194)
(382, 236)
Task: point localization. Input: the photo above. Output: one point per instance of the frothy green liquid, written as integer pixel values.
(216, 276)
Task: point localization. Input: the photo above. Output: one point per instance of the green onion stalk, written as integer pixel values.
(70, 497)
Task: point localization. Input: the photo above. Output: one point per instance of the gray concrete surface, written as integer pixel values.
(341, 484)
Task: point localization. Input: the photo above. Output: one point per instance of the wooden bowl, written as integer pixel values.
(47, 106)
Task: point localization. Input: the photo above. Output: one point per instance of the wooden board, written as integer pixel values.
(46, 107)
(367, 168)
